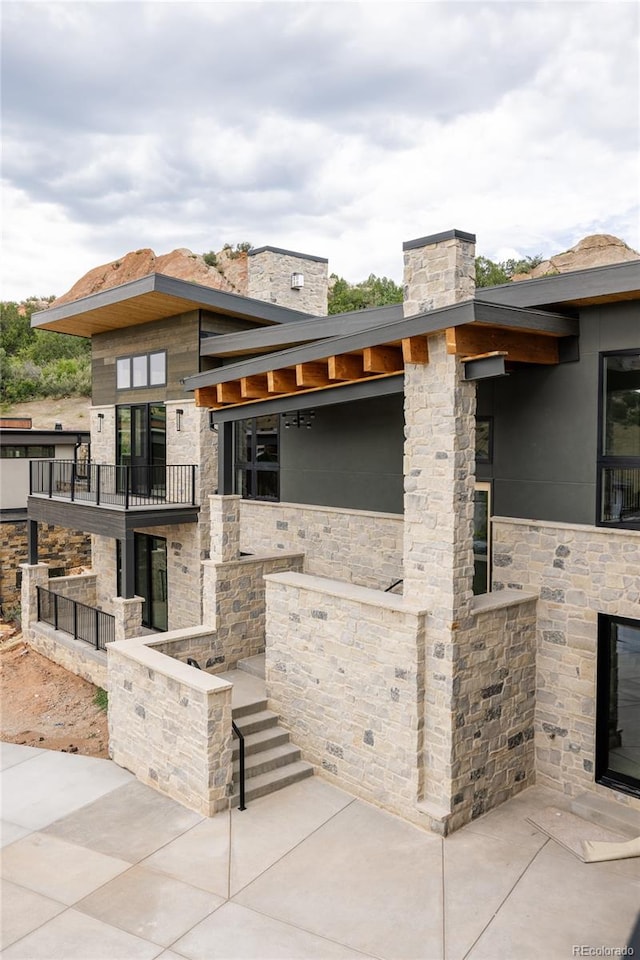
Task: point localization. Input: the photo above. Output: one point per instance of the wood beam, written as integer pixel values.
(382, 360)
(415, 350)
(346, 366)
(206, 397)
(229, 392)
(281, 381)
(254, 388)
(312, 374)
(471, 340)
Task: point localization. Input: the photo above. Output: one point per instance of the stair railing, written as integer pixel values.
(192, 662)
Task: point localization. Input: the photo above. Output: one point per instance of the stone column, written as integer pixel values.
(128, 616)
(33, 575)
(271, 273)
(438, 270)
(225, 527)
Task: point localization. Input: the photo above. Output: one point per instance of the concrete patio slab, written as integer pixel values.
(277, 823)
(57, 869)
(51, 785)
(12, 753)
(74, 936)
(10, 832)
(137, 901)
(364, 879)
(199, 857)
(22, 911)
(237, 933)
(134, 822)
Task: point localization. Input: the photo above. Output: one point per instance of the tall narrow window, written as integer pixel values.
(618, 712)
(257, 458)
(619, 460)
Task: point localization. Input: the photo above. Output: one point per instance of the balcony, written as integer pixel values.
(114, 485)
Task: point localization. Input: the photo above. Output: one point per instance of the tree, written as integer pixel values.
(490, 274)
(373, 292)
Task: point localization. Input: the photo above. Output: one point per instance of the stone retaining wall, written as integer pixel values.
(80, 587)
(358, 546)
(170, 725)
(580, 571)
(202, 645)
(62, 548)
(76, 656)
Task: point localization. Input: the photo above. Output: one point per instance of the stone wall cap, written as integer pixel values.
(286, 253)
(318, 508)
(254, 558)
(439, 238)
(346, 591)
(140, 650)
(559, 525)
(499, 599)
(66, 640)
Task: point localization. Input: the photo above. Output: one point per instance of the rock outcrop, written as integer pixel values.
(598, 250)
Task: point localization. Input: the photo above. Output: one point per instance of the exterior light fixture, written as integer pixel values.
(179, 414)
(100, 419)
(297, 281)
(298, 419)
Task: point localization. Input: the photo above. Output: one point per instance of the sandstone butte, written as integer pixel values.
(230, 271)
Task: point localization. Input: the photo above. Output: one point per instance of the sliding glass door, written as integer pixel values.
(618, 714)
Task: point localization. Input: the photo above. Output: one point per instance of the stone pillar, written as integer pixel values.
(128, 616)
(438, 270)
(270, 278)
(225, 528)
(103, 434)
(33, 575)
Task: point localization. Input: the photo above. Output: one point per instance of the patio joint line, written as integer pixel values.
(504, 900)
(444, 902)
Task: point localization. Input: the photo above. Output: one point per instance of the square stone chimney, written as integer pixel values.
(296, 280)
(438, 270)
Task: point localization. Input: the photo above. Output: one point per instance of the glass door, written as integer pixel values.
(482, 539)
(151, 579)
(618, 710)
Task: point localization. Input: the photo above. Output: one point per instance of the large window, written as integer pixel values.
(141, 370)
(27, 452)
(257, 458)
(619, 440)
(618, 713)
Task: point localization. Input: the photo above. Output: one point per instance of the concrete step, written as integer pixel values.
(253, 665)
(260, 720)
(607, 813)
(259, 763)
(247, 709)
(274, 780)
(261, 740)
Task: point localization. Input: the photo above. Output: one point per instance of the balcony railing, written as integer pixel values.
(75, 618)
(116, 485)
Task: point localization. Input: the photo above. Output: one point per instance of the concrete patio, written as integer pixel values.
(97, 865)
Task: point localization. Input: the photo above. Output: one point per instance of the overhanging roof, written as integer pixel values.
(579, 288)
(154, 297)
(10, 436)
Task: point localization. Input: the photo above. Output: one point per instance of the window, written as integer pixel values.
(257, 458)
(484, 439)
(619, 440)
(482, 538)
(618, 704)
(27, 452)
(141, 370)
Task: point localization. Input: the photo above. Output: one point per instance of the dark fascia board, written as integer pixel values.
(303, 331)
(615, 278)
(439, 238)
(9, 436)
(194, 295)
(469, 311)
(103, 520)
(287, 253)
(312, 399)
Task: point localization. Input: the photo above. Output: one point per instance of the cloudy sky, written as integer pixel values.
(331, 128)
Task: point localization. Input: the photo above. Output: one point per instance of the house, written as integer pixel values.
(427, 515)
(20, 445)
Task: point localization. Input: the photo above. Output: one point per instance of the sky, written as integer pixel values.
(330, 128)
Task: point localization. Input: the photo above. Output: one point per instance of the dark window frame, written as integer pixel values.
(252, 466)
(603, 775)
(147, 356)
(489, 457)
(610, 462)
(32, 451)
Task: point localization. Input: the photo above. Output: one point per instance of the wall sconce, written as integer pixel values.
(297, 281)
(100, 419)
(179, 414)
(298, 419)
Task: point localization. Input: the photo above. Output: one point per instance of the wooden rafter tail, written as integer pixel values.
(312, 374)
(471, 340)
(229, 392)
(415, 350)
(383, 359)
(206, 397)
(281, 381)
(254, 388)
(346, 366)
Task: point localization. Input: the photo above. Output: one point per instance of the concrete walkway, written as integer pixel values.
(96, 865)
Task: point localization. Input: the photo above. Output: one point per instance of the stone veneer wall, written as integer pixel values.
(103, 551)
(358, 546)
(345, 672)
(202, 645)
(183, 573)
(56, 546)
(170, 725)
(438, 272)
(269, 279)
(80, 587)
(580, 571)
(103, 434)
(234, 602)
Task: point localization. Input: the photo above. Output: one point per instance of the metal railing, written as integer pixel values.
(120, 485)
(621, 494)
(77, 619)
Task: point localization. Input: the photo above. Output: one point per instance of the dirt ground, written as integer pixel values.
(71, 412)
(43, 705)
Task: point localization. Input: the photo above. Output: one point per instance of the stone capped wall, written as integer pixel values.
(358, 546)
(345, 672)
(580, 571)
(269, 279)
(170, 725)
(57, 546)
(438, 271)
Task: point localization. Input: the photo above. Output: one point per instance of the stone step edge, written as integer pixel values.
(267, 760)
(275, 780)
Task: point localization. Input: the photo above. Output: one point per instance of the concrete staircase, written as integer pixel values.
(271, 761)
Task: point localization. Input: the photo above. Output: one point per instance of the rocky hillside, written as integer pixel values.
(597, 250)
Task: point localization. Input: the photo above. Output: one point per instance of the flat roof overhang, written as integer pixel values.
(474, 329)
(17, 437)
(105, 521)
(154, 297)
(611, 283)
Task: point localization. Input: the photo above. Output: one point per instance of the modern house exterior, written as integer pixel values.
(426, 515)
